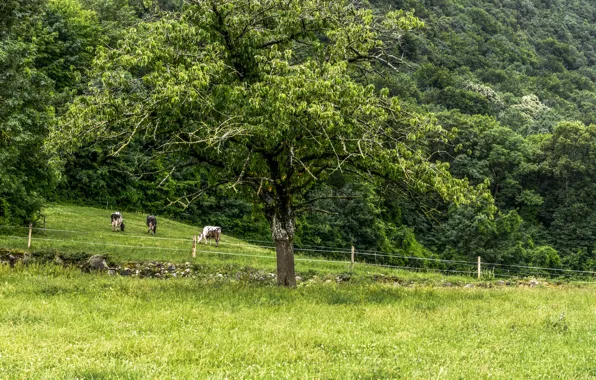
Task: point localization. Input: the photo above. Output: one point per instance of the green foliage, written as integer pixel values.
(544, 256)
(487, 274)
(263, 97)
(46, 47)
(24, 113)
(519, 50)
(567, 168)
(228, 112)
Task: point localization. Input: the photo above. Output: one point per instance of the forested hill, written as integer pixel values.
(512, 81)
(530, 64)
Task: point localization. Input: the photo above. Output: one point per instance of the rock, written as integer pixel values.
(447, 284)
(12, 260)
(469, 286)
(533, 283)
(299, 279)
(111, 272)
(342, 278)
(97, 262)
(28, 260)
(501, 282)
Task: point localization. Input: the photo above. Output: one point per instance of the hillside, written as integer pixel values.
(449, 146)
(76, 232)
(77, 229)
(490, 57)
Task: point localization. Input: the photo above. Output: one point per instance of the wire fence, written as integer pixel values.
(261, 249)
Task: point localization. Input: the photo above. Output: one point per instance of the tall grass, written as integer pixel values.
(59, 323)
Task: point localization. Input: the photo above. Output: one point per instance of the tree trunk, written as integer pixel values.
(282, 231)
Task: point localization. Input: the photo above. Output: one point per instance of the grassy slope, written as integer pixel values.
(173, 243)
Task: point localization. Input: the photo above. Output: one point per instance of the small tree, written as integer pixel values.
(262, 92)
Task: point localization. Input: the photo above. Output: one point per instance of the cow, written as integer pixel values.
(210, 232)
(117, 222)
(151, 224)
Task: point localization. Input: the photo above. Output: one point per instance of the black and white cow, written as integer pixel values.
(210, 232)
(151, 224)
(117, 222)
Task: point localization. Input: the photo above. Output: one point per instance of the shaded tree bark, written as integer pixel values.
(282, 231)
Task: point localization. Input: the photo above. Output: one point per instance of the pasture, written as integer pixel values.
(59, 323)
(86, 229)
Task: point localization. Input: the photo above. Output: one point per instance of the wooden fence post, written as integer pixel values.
(479, 269)
(353, 250)
(29, 241)
(194, 246)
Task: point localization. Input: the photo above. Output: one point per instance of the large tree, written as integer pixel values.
(262, 92)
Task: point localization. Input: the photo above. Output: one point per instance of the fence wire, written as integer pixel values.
(363, 257)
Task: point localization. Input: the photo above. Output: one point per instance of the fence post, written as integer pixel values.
(353, 250)
(479, 269)
(194, 246)
(29, 241)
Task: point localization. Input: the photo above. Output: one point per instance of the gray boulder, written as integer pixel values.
(97, 262)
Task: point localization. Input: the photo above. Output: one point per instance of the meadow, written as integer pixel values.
(85, 229)
(60, 323)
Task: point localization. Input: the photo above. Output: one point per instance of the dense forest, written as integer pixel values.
(508, 85)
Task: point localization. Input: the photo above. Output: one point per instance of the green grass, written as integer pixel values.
(59, 323)
(89, 230)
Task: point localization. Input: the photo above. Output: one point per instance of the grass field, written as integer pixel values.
(87, 229)
(59, 323)
(76, 228)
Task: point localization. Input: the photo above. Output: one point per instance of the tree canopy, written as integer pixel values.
(261, 93)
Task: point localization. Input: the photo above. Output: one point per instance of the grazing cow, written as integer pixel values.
(117, 222)
(151, 224)
(210, 232)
